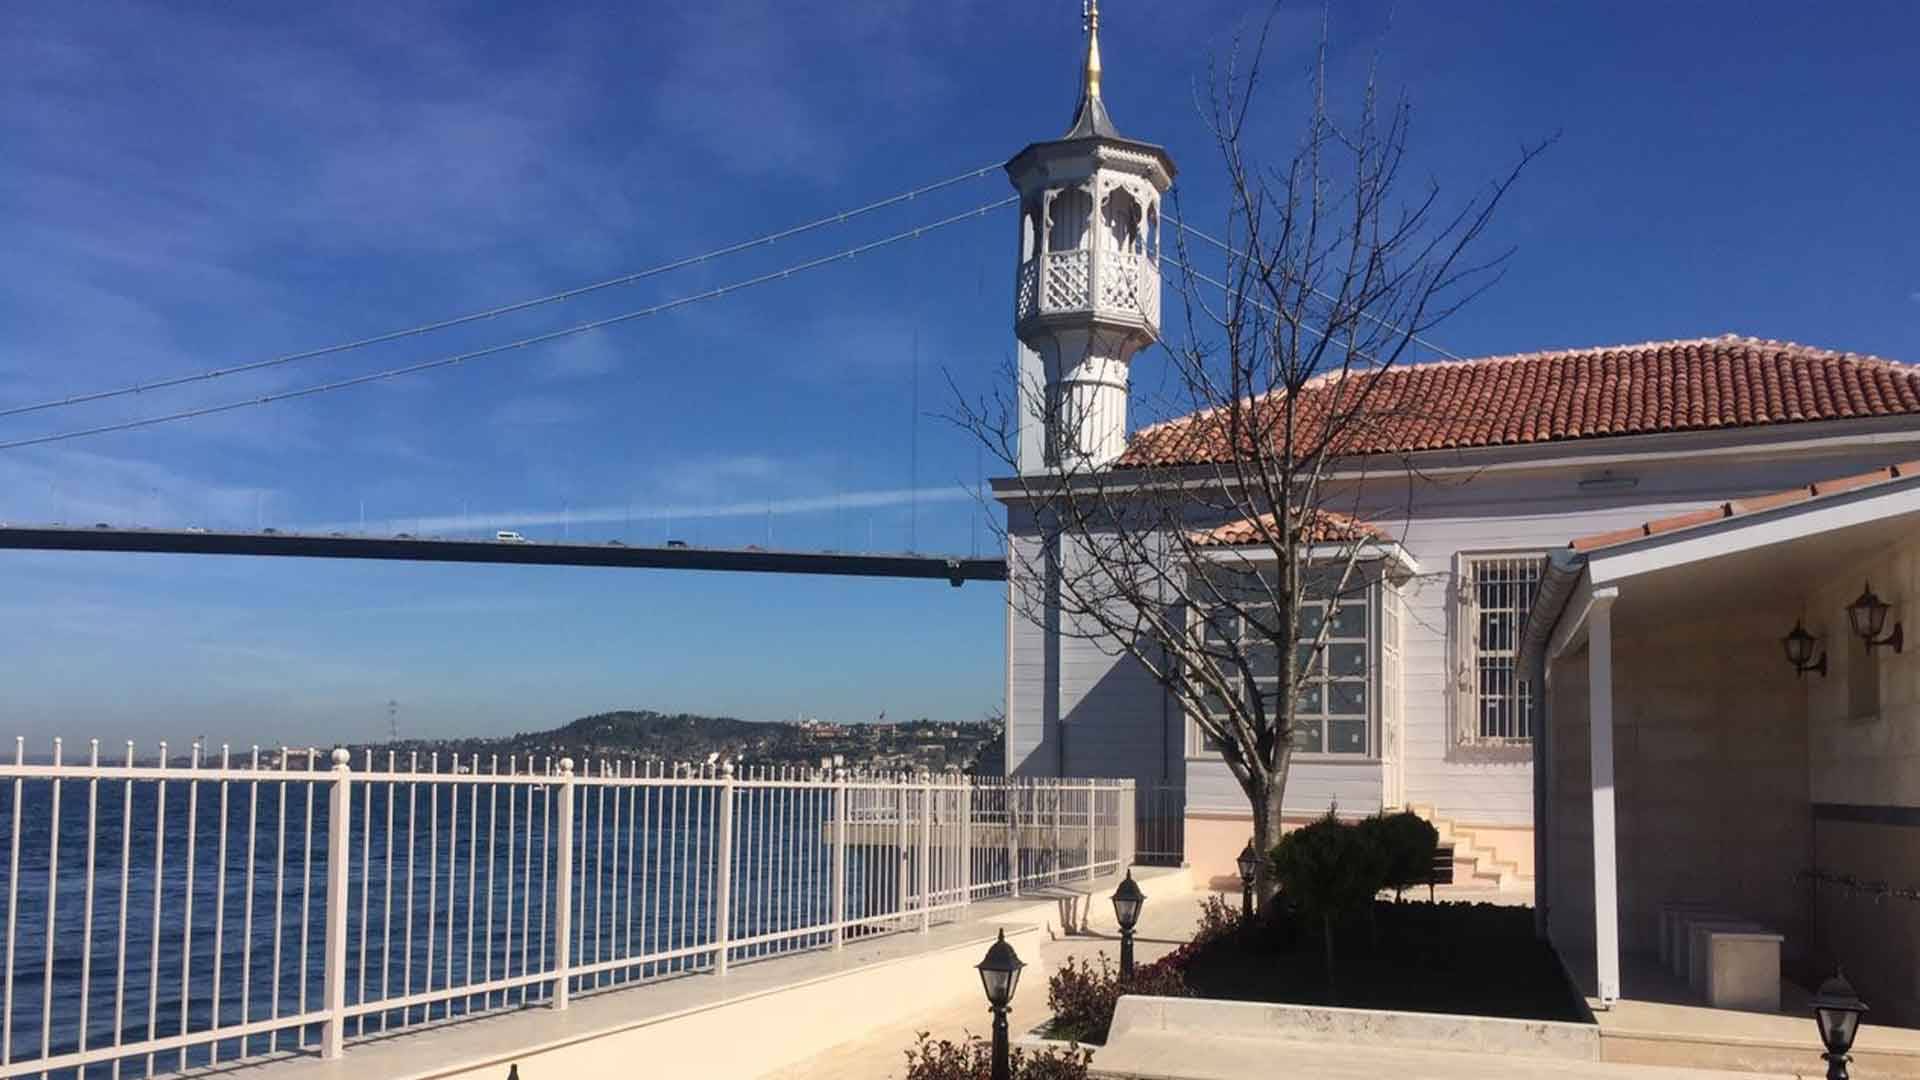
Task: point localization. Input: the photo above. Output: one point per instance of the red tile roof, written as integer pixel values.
(1671, 386)
(1737, 507)
(1327, 527)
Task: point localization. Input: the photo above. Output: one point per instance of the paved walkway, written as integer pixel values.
(881, 1054)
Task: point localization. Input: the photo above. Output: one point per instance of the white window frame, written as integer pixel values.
(1518, 720)
(1370, 599)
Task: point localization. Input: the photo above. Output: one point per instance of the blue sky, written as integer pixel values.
(186, 188)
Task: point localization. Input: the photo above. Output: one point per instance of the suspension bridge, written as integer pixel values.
(953, 569)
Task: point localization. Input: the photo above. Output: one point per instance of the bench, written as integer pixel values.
(1441, 872)
(1740, 967)
(1731, 962)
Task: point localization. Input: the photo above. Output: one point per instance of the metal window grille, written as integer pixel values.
(1496, 594)
(170, 912)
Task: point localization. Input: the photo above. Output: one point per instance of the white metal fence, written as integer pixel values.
(1160, 829)
(183, 911)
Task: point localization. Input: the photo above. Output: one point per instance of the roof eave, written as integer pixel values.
(1022, 161)
(1370, 551)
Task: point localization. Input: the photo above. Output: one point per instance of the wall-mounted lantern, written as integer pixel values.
(1800, 647)
(1869, 615)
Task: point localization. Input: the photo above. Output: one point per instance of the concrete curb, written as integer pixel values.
(1206, 1018)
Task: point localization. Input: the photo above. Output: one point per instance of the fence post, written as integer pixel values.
(839, 859)
(1059, 788)
(1012, 793)
(723, 873)
(1128, 823)
(901, 885)
(563, 890)
(923, 874)
(1093, 787)
(333, 1037)
(965, 798)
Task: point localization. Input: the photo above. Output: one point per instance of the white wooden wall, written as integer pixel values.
(1111, 714)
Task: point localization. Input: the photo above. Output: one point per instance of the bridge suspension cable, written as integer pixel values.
(504, 309)
(1321, 293)
(521, 343)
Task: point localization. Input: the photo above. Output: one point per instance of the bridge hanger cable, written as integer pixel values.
(1321, 293)
(493, 350)
(505, 309)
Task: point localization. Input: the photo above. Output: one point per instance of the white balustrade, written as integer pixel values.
(1129, 284)
(547, 881)
(1067, 283)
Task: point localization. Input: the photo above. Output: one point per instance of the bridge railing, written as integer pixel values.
(186, 910)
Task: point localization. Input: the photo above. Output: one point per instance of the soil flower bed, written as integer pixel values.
(1475, 959)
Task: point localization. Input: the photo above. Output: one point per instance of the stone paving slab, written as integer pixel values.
(1174, 1056)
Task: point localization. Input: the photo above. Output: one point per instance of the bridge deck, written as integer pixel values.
(953, 569)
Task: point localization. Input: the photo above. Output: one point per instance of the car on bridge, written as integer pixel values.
(508, 536)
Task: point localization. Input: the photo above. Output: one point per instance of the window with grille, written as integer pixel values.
(1496, 595)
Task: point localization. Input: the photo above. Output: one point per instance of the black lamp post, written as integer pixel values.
(1249, 865)
(1837, 1009)
(1126, 911)
(1000, 974)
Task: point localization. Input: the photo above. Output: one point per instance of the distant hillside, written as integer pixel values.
(673, 737)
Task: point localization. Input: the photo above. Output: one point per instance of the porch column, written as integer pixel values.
(1606, 893)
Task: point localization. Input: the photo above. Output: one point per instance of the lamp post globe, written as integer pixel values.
(1000, 976)
(1127, 900)
(1249, 863)
(1837, 1009)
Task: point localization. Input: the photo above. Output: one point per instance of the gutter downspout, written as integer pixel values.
(1557, 585)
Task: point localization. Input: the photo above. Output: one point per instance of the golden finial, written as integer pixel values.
(1090, 16)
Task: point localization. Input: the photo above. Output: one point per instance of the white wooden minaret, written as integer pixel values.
(1087, 296)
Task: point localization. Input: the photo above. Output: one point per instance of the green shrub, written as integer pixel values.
(972, 1059)
(1406, 843)
(1329, 867)
(1083, 995)
(1330, 870)
(1218, 918)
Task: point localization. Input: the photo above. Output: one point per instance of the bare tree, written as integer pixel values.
(1225, 548)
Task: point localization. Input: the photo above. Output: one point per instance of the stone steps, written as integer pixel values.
(1473, 862)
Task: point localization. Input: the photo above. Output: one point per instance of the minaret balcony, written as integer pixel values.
(1122, 286)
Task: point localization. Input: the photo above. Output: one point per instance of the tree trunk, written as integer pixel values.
(1265, 800)
(1326, 939)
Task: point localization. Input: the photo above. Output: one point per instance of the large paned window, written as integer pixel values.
(1496, 596)
(1336, 702)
